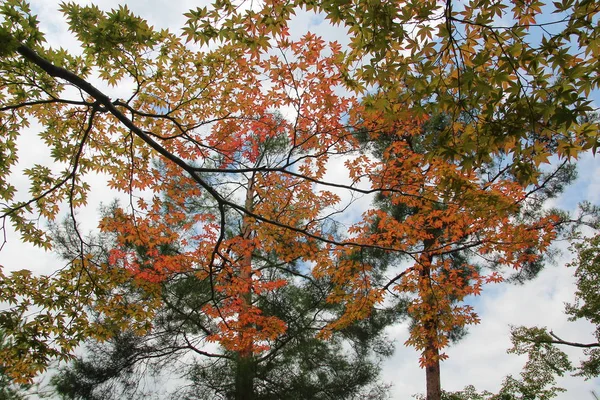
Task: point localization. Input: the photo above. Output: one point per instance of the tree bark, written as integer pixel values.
(432, 376)
(432, 353)
(244, 377)
(245, 368)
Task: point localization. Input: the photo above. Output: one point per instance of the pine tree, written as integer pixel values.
(460, 260)
(296, 364)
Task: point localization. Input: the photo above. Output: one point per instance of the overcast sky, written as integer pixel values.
(480, 359)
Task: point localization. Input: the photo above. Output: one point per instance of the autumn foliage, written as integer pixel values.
(449, 209)
(239, 114)
(281, 203)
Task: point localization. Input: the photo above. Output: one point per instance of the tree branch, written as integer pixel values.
(558, 340)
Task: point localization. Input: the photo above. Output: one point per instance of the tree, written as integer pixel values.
(297, 364)
(507, 64)
(207, 111)
(460, 226)
(209, 129)
(300, 366)
(243, 265)
(545, 359)
(161, 249)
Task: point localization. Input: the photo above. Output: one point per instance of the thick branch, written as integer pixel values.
(558, 340)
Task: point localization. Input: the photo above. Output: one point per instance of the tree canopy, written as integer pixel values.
(512, 79)
(296, 365)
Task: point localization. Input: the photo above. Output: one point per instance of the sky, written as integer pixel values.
(479, 359)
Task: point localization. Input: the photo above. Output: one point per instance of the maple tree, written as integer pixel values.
(211, 129)
(205, 113)
(459, 226)
(234, 257)
(522, 71)
(296, 365)
(546, 360)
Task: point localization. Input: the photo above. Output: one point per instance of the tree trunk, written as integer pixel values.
(245, 368)
(244, 378)
(432, 377)
(432, 353)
